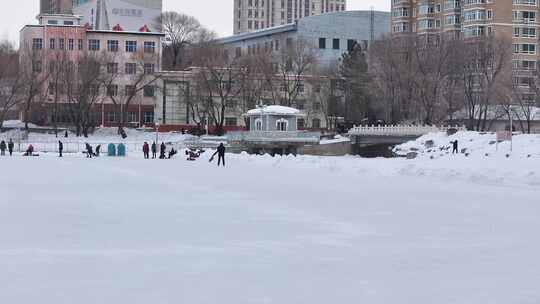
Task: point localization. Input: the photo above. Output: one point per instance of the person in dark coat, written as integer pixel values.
(221, 154)
(154, 150)
(455, 147)
(89, 151)
(172, 153)
(10, 147)
(98, 150)
(60, 148)
(162, 151)
(3, 148)
(146, 150)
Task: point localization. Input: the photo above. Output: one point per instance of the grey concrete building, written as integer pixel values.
(253, 15)
(331, 34)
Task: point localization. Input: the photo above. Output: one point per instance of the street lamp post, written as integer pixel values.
(157, 132)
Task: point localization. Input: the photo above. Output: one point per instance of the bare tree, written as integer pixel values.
(486, 77)
(82, 82)
(137, 75)
(356, 81)
(220, 81)
(392, 67)
(294, 61)
(11, 83)
(34, 77)
(181, 31)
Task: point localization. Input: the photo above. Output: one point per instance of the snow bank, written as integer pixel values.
(335, 140)
(473, 144)
(17, 124)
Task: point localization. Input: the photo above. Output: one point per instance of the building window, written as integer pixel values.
(71, 44)
(112, 68)
(80, 44)
(149, 47)
(231, 122)
(52, 43)
(131, 46)
(131, 68)
(68, 22)
(281, 125)
(52, 22)
(149, 91)
(52, 89)
(37, 44)
(301, 123)
(93, 45)
(322, 43)
(301, 87)
(316, 106)
(111, 117)
(336, 44)
(316, 123)
(230, 104)
(37, 66)
(130, 90)
(132, 117)
(112, 45)
(258, 124)
(61, 43)
(351, 44)
(112, 90)
(148, 117)
(149, 68)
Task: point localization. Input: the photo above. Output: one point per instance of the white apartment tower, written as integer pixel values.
(253, 15)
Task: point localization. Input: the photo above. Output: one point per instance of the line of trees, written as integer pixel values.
(438, 79)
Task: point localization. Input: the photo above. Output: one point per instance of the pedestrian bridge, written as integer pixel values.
(364, 136)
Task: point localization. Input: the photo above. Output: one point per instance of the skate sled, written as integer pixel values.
(194, 154)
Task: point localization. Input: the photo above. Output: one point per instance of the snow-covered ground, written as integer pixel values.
(474, 144)
(269, 230)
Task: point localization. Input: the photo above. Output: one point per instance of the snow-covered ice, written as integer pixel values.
(269, 230)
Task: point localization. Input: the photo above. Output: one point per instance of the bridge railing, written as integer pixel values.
(400, 130)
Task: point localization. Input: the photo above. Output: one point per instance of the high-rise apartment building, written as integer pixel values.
(252, 15)
(467, 18)
(55, 6)
(515, 20)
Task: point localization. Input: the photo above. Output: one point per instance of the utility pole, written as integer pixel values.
(372, 25)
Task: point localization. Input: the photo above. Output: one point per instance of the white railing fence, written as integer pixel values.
(271, 136)
(77, 147)
(400, 130)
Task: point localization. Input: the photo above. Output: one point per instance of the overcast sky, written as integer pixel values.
(215, 14)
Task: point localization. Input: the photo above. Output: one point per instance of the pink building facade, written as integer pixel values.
(123, 57)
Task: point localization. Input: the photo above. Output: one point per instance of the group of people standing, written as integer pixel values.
(9, 147)
(90, 151)
(162, 151)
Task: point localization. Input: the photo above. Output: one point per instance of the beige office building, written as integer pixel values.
(253, 15)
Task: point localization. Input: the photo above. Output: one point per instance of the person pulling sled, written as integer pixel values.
(221, 155)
